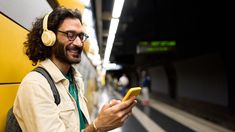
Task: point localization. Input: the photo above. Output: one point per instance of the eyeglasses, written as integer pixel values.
(72, 35)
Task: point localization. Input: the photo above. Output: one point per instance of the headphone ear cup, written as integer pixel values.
(48, 38)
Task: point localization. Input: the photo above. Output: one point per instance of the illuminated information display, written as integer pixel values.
(155, 46)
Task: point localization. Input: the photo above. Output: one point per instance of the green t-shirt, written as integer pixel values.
(74, 92)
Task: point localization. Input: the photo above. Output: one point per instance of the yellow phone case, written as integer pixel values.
(132, 92)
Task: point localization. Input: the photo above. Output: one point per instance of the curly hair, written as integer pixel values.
(34, 47)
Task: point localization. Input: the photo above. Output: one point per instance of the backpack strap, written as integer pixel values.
(11, 124)
(54, 90)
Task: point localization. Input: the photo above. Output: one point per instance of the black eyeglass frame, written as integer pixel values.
(74, 35)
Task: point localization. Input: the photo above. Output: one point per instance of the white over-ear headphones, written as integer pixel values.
(48, 37)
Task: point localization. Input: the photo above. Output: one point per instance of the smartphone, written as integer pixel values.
(135, 91)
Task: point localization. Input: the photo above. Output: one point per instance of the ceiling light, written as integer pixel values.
(113, 26)
(117, 8)
(108, 48)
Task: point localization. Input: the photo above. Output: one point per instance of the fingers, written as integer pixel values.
(130, 101)
(128, 111)
(114, 102)
(124, 118)
(114, 113)
(105, 106)
(111, 103)
(123, 114)
(125, 104)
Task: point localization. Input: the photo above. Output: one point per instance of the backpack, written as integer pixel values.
(12, 124)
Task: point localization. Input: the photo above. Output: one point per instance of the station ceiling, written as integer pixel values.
(186, 23)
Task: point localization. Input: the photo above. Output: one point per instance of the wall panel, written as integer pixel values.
(13, 63)
(7, 96)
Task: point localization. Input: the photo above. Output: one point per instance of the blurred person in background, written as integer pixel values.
(123, 82)
(146, 87)
(115, 83)
(109, 85)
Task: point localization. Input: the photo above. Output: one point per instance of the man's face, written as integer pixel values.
(66, 50)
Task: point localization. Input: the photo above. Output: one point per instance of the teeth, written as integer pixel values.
(74, 51)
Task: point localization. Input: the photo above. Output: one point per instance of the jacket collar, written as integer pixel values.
(55, 73)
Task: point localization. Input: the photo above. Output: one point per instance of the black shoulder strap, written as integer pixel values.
(51, 82)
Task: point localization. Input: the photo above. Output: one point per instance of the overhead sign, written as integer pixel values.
(155, 46)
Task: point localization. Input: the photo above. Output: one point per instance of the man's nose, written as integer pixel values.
(78, 42)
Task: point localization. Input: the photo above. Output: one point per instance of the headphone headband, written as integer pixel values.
(45, 19)
(48, 37)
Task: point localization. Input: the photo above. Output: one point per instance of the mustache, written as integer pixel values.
(74, 48)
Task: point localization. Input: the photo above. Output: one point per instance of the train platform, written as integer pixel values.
(159, 116)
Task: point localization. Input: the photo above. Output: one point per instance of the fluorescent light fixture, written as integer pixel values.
(111, 37)
(108, 49)
(113, 26)
(117, 8)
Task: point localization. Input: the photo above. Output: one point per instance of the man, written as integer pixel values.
(123, 82)
(146, 87)
(34, 105)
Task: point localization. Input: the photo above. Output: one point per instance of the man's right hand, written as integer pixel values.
(114, 114)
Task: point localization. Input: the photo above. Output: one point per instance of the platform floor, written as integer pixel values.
(159, 116)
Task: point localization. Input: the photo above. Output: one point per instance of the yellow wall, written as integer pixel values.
(7, 96)
(13, 64)
(74, 4)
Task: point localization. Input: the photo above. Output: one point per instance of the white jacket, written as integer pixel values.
(34, 105)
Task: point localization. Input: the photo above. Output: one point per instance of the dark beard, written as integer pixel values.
(60, 53)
